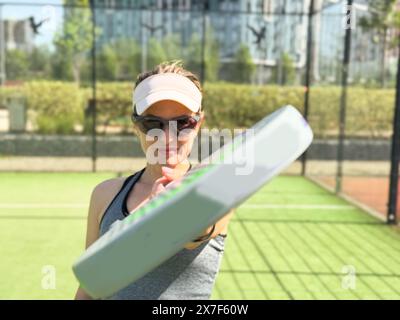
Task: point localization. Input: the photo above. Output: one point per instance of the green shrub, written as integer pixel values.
(57, 105)
(369, 111)
(114, 103)
(57, 124)
(238, 105)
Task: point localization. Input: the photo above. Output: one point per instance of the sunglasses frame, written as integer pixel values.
(137, 118)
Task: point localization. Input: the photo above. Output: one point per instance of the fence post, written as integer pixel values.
(308, 77)
(203, 42)
(2, 49)
(93, 101)
(343, 99)
(395, 155)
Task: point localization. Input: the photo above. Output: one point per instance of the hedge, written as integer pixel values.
(56, 107)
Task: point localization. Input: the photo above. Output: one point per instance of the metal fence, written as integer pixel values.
(67, 73)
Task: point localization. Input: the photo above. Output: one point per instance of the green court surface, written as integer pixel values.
(291, 240)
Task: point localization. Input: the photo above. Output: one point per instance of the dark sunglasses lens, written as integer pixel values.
(149, 124)
(183, 123)
(186, 123)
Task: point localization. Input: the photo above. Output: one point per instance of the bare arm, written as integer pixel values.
(91, 236)
(221, 226)
(100, 198)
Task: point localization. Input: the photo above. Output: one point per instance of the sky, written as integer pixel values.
(39, 9)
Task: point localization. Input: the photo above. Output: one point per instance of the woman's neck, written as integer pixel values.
(153, 171)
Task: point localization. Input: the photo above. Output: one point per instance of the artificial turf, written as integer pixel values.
(291, 240)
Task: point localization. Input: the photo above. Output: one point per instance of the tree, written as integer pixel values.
(27, 65)
(118, 60)
(128, 55)
(75, 39)
(17, 64)
(381, 17)
(193, 54)
(172, 46)
(288, 70)
(106, 63)
(243, 66)
(212, 60)
(211, 51)
(61, 66)
(394, 22)
(156, 53)
(38, 62)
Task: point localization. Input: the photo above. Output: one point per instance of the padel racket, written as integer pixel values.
(155, 232)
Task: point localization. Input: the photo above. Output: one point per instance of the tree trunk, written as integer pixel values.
(76, 69)
(383, 58)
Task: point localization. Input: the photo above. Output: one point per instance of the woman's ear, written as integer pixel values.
(202, 117)
(135, 129)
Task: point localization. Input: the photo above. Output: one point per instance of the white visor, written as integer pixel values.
(166, 86)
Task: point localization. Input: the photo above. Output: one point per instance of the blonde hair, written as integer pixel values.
(174, 66)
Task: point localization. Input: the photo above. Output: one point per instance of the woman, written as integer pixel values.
(168, 100)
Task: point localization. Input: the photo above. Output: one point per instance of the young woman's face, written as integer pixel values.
(170, 148)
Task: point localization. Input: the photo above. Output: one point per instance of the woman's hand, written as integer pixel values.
(168, 176)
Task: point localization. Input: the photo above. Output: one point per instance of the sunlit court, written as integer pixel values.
(291, 240)
(231, 150)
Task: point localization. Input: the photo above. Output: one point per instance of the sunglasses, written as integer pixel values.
(147, 123)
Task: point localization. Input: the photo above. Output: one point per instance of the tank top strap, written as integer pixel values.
(113, 211)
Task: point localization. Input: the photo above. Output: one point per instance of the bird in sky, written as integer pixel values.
(35, 26)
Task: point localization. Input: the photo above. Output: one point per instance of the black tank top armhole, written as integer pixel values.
(126, 181)
(124, 208)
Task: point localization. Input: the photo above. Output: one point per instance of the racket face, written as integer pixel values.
(161, 228)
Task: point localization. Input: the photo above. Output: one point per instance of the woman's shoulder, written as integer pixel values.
(105, 191)
(108, 187)
(111, 185)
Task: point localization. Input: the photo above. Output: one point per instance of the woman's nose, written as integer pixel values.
(170, 134)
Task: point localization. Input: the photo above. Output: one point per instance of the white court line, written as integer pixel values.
(297, 206)
(248, 206)
(41, 205)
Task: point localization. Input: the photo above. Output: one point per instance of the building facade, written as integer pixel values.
(269, 28)
(18, 34)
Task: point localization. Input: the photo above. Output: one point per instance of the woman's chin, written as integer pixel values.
(172, 160)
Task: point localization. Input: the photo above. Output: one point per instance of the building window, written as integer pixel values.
(268, 6)
(110, 3)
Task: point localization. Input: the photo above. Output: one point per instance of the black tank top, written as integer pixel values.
(189, 274)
